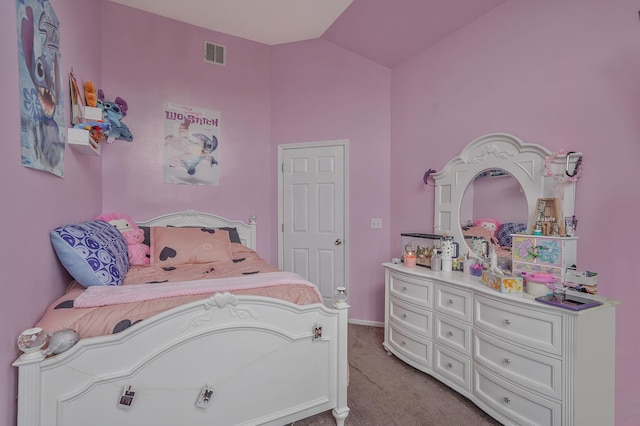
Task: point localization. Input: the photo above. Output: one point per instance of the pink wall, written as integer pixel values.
(564, 74)
(322, 92)
(148, 59)
(35, 202)
(500, 198)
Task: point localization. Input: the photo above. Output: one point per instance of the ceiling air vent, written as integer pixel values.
(214, 53)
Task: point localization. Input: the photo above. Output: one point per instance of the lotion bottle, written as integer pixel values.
(493, 257)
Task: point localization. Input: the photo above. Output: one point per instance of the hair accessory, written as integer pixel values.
(566, 176)
(425, 178)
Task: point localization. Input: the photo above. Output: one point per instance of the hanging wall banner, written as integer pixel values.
(190, 145)
(41, 104)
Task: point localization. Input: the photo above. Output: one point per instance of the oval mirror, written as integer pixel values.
(499, 152)
(492, 194)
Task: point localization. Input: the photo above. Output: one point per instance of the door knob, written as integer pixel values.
(338, 241)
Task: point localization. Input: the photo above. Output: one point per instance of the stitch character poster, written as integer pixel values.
(191, 145)
(42, 128)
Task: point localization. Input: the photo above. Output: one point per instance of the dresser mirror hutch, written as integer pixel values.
(502, 154)
(521, 361)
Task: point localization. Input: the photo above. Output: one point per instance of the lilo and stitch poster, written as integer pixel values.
(191, 145)
(41, 101)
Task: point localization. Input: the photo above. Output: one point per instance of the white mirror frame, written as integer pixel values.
(526, 162)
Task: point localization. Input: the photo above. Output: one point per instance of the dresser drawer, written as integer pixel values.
(536, 329)
(452, 366)
(411, 289)
(537, 372)
(454, 334)
(523, 408)
(410, 317)
(454, 302)
(416, 349)
(534, 268)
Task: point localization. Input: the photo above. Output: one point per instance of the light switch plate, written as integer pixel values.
(376, 222)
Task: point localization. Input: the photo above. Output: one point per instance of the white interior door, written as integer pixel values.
(312, 213)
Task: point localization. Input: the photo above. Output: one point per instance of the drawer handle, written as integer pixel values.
(506, 400)
(403, 343)
(404, 288)
(507, 321)
(507, 361)
(450, 333)
(449, 365)
(451, 301)
(404, 315)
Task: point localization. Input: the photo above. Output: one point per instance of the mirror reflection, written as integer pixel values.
(493, 207)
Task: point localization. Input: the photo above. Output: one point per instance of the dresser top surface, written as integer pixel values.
(466, 281)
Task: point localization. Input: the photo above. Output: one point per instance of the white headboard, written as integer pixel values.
(246, 231)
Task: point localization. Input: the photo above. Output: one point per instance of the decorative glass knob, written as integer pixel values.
(32, 340)
(507, 361)
(506, 399)
(450, 333)
(341, 294)
(507, 321)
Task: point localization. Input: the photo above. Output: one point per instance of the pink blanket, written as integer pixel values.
(113, 295)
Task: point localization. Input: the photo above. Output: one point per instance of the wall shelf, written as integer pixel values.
(81, 141)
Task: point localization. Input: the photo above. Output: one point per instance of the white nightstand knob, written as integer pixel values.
(449, 365)
(403, 343)
(451, 301)
(507, 321)
(506, 399)
(507, 361)
(404, 315)
(450, 333)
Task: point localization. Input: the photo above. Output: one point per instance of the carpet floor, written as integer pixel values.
(384, 391)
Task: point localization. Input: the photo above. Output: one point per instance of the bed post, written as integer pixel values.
(341, 411)
(29, 388)
(252, 225)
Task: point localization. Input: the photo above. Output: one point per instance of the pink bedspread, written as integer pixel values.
(114, 295)
(102, 320)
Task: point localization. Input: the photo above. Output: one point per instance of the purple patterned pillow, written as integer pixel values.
(506, 229)
(94, 252)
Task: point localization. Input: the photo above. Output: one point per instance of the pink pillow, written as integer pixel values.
(478, 231)
(177, 246)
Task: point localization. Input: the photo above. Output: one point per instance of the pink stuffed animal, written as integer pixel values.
(491, 225)
(134, 236)
(138, 251)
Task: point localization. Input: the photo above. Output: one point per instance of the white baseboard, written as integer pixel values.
(369, 323)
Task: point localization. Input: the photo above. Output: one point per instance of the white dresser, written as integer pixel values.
(521, 361)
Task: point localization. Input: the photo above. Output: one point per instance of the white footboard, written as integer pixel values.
(266, 362)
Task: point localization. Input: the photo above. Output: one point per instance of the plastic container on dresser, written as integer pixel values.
(551, 255)
(522, 362)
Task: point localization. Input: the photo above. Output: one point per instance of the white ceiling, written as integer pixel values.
(384, 31)
(266, 21)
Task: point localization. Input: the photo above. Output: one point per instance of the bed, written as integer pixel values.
(225, 355)
(496, 235)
